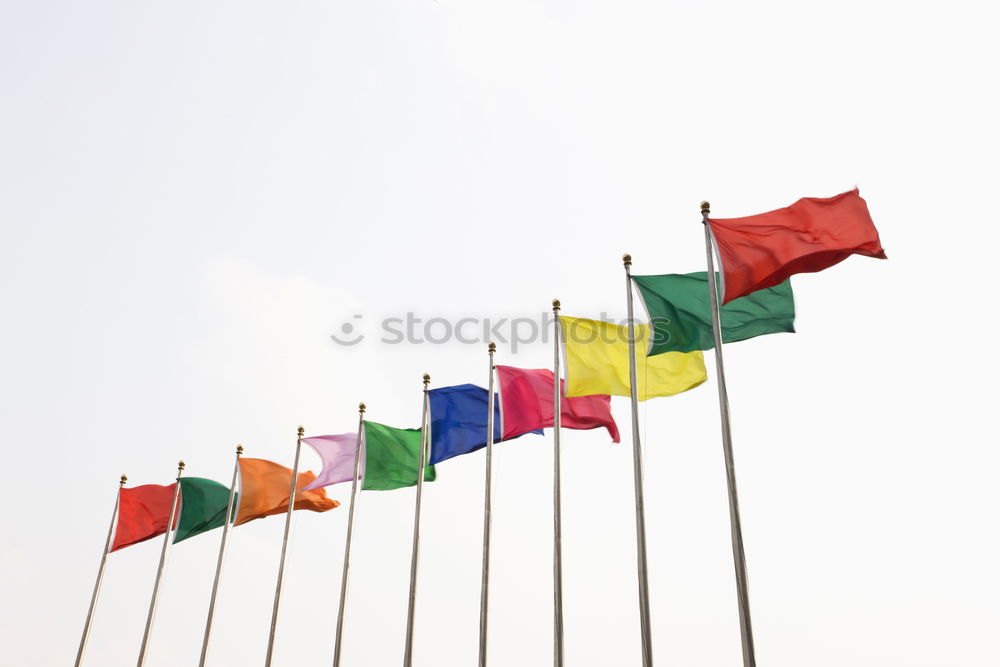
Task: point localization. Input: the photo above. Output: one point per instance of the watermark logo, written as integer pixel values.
(349, 333)
(516, 332)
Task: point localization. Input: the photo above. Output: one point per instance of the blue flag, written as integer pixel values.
(458, 421)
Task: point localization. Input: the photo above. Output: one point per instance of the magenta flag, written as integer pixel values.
(526, 404)
(337, 453)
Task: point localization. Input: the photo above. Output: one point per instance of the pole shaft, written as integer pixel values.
(557, 636)
(739, 559)
(484, 593)
(412, 605)
(284, 550)
(218, 565)
(100, 579)
(640, 513)
(159, 571)
(338, 643)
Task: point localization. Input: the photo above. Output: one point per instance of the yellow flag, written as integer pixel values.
(597, 362)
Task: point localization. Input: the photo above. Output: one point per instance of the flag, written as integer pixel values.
(392, 457)
(458, 421)
(681, 317)
(203, 507)
(143, 513)
(264, 487)
(810, 235)
(337, 453)
(597, 362)
(527, 403)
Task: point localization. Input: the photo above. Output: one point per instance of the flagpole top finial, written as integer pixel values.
(302, 431)
(123, 479)
(239, 450)
(705, 207)
(362, 407)
(556, 305)
(627, 259)
(180, 466)
(492, 347)
(427, 379)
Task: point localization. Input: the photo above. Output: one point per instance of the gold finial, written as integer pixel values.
(239, 450)
(705, 207)
(362, 407)
(124, 478)
(427, 379)
(180, 465)
(627, 259)
(556, 305)
(302, 431)
(492, 347)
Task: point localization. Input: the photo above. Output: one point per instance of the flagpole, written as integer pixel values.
(424, 438)
(557, 636)
(159, 570)
(484, 595)
(284, 549)
(222, 553)
(640, 511)
(100, 576)
(739, 558)
(350, 532)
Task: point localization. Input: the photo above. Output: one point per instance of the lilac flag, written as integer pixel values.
(337, 452)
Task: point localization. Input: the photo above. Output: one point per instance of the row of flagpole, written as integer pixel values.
(640, 512)
(222, 554)
(164, 550)
(484, 590)
(412, 600)
(645, 624)
(100, 576)
(557, 634)
(339, 639)
(736, 529)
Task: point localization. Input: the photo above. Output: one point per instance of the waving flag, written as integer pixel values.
(810, 235)
(264, 488)
(337, 453)
(203, 507)
(681, 318)
(528, 404)
(143, 513)
(597, 362)
(458, 421)
(392, 458)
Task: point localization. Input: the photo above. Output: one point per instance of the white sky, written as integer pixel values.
(194, 196)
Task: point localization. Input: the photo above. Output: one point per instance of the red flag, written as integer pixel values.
(810, 235)
(143, 513)
(526, 403)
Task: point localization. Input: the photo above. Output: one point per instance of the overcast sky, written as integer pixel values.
(195, 195)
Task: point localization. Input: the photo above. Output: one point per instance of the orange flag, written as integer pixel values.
(264, 487)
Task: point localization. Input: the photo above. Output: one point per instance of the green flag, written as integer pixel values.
(681, 318)
(203, 507)
(392, 456)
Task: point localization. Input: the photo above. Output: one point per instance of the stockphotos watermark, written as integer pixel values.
(517, 332)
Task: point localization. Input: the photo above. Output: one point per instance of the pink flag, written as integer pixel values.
(337, 453)
(526, 404)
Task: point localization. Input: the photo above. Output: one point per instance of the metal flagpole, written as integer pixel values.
(350, 532)
(284, 548)
(222, 554)
(424, 440)
(159, 569)
(640, 513)
(557, 636)
(739, 559)
(484, 595)
(100, 576)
